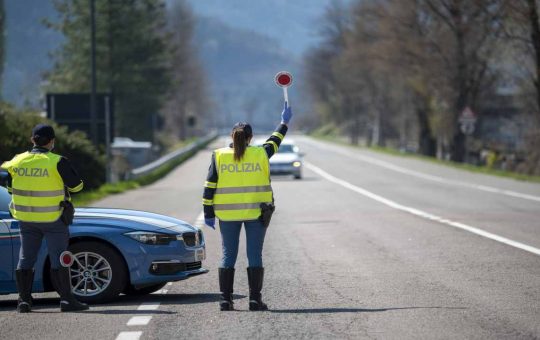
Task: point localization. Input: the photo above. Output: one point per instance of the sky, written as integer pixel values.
(292, 22)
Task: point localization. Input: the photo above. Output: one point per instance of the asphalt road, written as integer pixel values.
(365, 246)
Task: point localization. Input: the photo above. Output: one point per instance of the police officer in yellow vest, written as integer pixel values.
(39, 181)
(236, 189)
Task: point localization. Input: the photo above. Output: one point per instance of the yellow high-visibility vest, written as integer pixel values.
(37, 187)
(242, 186)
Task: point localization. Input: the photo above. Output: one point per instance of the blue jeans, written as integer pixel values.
(230, 236)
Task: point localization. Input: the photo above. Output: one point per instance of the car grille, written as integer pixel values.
(193, 265)
(173, 268)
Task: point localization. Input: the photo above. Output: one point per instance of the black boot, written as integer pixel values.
(24, 279)
(62, 283)
(226, 282)
(255, 279)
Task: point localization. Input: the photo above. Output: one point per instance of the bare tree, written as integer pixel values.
(188, 100)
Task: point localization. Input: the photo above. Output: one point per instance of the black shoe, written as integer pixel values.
(24, 279)
(62, 283)
(255, 279)
(226, 282)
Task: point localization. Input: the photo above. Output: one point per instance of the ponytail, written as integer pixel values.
(240, 135)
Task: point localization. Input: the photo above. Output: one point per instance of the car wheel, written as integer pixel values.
(298, 176)
(98, 273)
(130, 290)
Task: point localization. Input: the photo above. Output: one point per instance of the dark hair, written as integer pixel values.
(240, 134)
(41, 140)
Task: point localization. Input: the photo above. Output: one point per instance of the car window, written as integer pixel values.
(286, 148)
(5, 198)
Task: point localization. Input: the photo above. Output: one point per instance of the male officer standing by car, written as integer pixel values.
(40, 182)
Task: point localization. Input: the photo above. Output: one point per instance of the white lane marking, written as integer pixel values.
(129, 336)
(421, 175)
(169, 283)
(421, 213)
(149, 306)
(140, 320)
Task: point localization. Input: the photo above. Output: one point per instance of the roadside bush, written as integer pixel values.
(15, 132)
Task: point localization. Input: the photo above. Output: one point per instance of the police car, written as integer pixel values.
(115, 251)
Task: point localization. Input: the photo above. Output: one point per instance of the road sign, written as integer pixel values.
(467, 121)
(73, 110)
(284, 79)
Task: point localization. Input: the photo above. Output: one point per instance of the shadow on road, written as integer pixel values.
(350, 310)
(188, 299)
(126, 301)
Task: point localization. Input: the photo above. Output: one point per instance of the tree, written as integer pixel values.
(522, 28)
(320, 61)
(462, 35)
(188, 95)
(132, 58)
(2, 42)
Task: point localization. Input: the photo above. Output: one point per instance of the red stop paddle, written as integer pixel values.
(284, 80)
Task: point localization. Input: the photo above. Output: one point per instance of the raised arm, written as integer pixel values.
(272, 144)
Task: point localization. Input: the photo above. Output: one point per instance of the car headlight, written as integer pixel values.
(151, 238)
(297, 164)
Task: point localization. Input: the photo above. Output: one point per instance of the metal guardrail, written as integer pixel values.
(193, 147)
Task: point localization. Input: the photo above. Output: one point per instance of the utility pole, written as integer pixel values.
(93, 115)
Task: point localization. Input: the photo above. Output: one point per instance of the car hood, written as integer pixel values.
(284, 158)
(130, 219)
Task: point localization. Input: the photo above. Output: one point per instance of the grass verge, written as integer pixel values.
(87, 197)
(467, 167)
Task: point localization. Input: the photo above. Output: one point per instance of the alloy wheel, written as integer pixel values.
(91, 274)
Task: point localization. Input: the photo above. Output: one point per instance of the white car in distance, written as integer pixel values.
(287, 161)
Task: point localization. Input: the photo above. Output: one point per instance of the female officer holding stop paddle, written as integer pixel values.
(237, 191)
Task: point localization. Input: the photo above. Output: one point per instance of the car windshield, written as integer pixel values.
(5, 198)
(286, 148)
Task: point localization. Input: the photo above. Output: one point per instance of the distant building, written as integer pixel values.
(503, 126)
(127, 155)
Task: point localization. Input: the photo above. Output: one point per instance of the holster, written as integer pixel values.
(68, 212)
(267, 209)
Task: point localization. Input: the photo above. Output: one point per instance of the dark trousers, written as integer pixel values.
(55, 233)
(230, 236)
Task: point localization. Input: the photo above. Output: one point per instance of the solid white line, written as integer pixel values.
(396, 168)
(149, 306)
(129, 336)
(141, 320)
(421, 213)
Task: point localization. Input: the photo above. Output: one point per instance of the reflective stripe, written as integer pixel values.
(77, 188)
(276, 147)
(25, 208)
(241, 190)
(207, 202)
(211, 185)
(237, 206)
(33, 193)
(278, 135)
